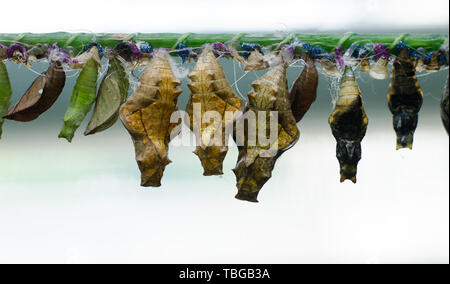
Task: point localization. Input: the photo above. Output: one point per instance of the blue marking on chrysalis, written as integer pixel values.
(428, 57)
(411, 52)
(248, 47)
(183, 52)
(91, 44)
(144, 47)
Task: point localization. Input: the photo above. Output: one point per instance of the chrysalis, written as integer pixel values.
(83, 96)
(329, 67)
(420, 65)
(212, 107)
(380, 70)
(268, 110)
(41, 95)
(444, 107)
(5, 92)
(348, 124)
(255, 61)
(304, 89)
(111, 95)
(146, 115)
(433, 63)
(365, 65)
(404, 99)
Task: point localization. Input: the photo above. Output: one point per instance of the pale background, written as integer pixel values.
(81, 202)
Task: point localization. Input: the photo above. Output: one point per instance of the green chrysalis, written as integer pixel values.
(5, 93)
(83, 97)
(112, 94)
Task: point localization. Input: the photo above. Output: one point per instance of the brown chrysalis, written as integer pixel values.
(146, 115)
(41, 95)
(304, 90)
(212, 107)
(348, 123)
(268, 111)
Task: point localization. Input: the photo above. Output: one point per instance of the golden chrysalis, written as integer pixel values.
(405, 99)
(211, 94)
(269, 108)
(348, 123)
(146, 115)
(380, 70)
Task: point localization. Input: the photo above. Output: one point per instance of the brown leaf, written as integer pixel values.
(41, 95)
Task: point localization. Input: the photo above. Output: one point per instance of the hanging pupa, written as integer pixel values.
(5, 92)
(211, 94)
(444, 107)
(83, 96)
(255, 61)
(329, 67)
(348, 123)
(111, 95)
(268, 110)
(380, 70)
(420, 65)
(433, 62)
(41, 95)
(405, 99)
(365, 64)
(146, 115)
(304, 90)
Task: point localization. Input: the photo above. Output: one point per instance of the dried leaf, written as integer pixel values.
(348, 124)
(111, 95)
(41, 95)
(211, 91)
(146, 115)
(444, 107)
(405, 99)
(5, 92)
(83, 97)
(256, 159)
(304, 90)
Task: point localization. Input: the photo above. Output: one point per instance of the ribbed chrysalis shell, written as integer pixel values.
(146, 115)
(41, 95)
(5, 92)
(111, 95)
(433, 65)
(255, 61)
(210, 91)
(380, 70)
(83, 97)
(404, 99)
(253, 168)
(444, 107)
(348, 124)
(304, 90)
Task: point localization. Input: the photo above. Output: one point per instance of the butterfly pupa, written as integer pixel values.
(380, 70)
(348, 123)
(444, 107)
(405, 98)
(365, 64)
(146, 115)
(329, 67)
(433, 64)
(83, 96)
(41, 95)
(211, 94)
(111, 95)
(257, 158)
(255, 61)
(5, 92)
(304, 90)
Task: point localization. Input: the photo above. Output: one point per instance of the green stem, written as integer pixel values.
(168, 40)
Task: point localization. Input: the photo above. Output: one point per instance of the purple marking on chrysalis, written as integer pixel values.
(380, 50)
(136, 52)
(15, 46)
(55, 53)
(220, 49)
(338, 53)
